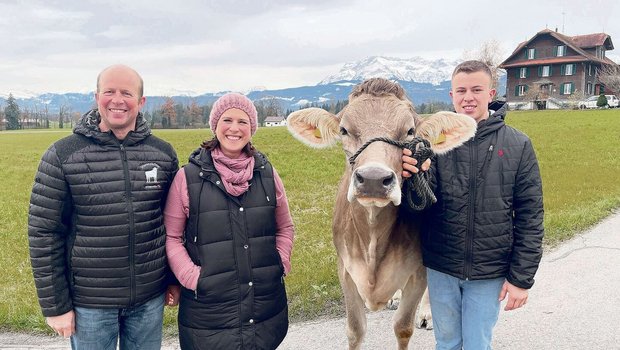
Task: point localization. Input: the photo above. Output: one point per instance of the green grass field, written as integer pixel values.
(576, 151)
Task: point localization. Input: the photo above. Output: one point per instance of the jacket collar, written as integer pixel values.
(88, 126)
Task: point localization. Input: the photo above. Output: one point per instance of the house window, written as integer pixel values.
(544, 71)
(560, 50)
(589, 89)
(589, 70)
(566, 89)
(520, 90)
(569, 69)
(531, 54)
(523, 72)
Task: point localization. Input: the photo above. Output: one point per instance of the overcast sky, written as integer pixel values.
(198, 46)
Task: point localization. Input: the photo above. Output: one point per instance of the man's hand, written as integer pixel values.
(173, 294)
(63, 324)
(517, 297)
(409, 164)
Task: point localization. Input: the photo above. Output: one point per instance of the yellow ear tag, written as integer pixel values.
(317, 133)
(440, 139)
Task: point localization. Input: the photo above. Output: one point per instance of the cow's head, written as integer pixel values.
(378, 108)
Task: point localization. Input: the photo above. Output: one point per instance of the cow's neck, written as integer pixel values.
(372, 228)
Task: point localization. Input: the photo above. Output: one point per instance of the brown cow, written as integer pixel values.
(378, 251)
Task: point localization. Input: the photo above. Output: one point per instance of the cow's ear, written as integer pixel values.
(446, 130)
(315, 127)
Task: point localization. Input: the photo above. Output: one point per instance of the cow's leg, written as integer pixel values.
(403, 319)
(424, 318)
(356, 315)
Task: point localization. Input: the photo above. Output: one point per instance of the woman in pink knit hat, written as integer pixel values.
(229, 238)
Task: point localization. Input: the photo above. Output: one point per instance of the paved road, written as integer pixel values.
(573, 305)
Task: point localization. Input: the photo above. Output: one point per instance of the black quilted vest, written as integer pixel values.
(240, 301)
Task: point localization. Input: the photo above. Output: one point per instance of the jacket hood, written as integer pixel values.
(88, 126)
(495, 120)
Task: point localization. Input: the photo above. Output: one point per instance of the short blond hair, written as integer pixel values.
(473, 66)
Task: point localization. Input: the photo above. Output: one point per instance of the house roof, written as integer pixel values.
(273, 119)
(593, 40)
(549, 60)
(577, 43)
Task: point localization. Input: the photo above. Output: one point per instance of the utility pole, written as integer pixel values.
(563, 16)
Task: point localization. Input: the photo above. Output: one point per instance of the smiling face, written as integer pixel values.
(233, 132)
(471, 94)
(119, 99)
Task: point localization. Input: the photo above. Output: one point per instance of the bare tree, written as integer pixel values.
(46, 115)
(26, 118)
(63, 114)
(268, 107)
(572, 101)
(169, 112)
(530, 98)
(609, 75)
(490, 52)
(195, 113)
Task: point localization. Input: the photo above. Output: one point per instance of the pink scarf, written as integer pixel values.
(235, 173)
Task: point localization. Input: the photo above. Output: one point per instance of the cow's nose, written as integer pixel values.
(374, 181)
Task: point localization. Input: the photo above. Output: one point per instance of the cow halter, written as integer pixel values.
(419, 194)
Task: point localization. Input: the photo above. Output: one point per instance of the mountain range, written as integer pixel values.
(423, 80)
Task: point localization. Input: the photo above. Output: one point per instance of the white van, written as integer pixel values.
(612, 101)
(590, 102)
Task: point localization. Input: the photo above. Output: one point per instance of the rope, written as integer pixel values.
(419, 196)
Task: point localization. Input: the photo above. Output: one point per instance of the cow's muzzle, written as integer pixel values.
(374, 185)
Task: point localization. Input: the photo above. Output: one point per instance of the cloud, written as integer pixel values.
(219, 45)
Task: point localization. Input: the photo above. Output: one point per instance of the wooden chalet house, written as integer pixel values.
(551, 70)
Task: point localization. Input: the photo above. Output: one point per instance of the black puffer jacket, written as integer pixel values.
(95, 225)
(488, 219)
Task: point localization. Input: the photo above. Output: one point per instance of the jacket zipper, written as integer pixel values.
(487, 159)
(469, 233)
(129, 201)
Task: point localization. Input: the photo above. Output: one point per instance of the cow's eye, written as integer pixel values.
(343, 131)
(410, 132)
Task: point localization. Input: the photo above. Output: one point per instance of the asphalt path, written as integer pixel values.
(574, 304)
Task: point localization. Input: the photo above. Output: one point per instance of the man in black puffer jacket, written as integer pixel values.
(482, 240)
(95, 226)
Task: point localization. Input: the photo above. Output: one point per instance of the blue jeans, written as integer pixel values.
(138, 327)
(464, 312)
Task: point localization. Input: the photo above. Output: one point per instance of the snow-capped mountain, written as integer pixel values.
(423, 80)
(415, 69)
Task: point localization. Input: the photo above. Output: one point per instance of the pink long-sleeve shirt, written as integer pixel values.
(176, 214)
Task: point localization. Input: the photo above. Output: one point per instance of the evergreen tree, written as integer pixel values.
(11, 111)
(601, 101)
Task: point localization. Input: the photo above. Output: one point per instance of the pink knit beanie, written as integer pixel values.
(233, 100)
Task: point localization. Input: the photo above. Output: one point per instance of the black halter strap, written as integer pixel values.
(419, 196)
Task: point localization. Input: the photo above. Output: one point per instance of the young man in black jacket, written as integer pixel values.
(95, 225)
(482, 240)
